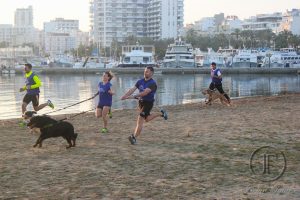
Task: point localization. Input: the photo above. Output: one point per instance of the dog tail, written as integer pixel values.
(75, 135)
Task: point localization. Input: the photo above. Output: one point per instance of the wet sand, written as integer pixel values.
(201, 152)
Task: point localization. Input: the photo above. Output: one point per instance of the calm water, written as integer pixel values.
(65, 90)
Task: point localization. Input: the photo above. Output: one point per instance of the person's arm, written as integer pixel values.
(128, 93)
(96, 94)
(37, 84)
(111, 92)
(146, 91)
(219, 76)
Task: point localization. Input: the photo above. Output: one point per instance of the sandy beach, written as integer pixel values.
(201, 152)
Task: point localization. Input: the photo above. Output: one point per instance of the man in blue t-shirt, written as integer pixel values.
(216, 81)
(147, 88)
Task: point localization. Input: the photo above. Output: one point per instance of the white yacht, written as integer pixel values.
(245, 58)
(286, 57)
(223, 57)
(179, 55)
(199, 57)
(137, 56)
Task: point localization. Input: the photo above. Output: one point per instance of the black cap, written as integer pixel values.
(213, 63)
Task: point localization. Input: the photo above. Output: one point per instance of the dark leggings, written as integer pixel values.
(219, 87)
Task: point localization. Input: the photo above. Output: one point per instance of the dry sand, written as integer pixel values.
(201, 152)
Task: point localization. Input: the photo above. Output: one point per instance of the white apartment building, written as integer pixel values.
(231, 23)
(264, 22)
(114, 20)
(61, 25)
(82, 38)
(61, 35)
(291, 21)
(206, 24)
(164, 19)
(58, 43)
(6, 33)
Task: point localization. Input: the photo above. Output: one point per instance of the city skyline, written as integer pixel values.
(193, 9)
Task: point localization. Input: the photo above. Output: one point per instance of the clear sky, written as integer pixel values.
(46, 10)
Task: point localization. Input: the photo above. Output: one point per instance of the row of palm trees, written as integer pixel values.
(243, 39)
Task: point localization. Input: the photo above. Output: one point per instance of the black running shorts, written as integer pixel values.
(145, 108)
(31, 98)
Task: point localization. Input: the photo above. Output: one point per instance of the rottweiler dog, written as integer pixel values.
(52, 128)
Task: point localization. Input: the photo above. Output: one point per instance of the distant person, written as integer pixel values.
(147, 88)
(32, 85)
(216, 81)
(105, 99)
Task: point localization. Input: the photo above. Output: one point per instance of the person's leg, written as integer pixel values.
(26, 101)
(139, 123)
(98, 112)
(35, 103)
(24, 106)
(104, 115)
(40, 107)
(139, 126)
(220, 89)
(153, 116)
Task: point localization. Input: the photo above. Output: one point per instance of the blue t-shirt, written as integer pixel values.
(213, 73)
(143, 84)
(105, 99)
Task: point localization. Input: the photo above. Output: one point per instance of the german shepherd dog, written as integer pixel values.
(52, 128)
(213, 95)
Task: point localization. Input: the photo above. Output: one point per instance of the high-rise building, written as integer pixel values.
(114, 20)
(164, 18)
(24, 17)
(23, 28)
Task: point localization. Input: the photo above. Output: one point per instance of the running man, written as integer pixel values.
(147, 89)
(105, 99)
(216, 81)
(32, 87)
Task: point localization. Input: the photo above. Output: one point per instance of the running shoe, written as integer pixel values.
(132, 139)
(104, 130)
(164, 114)
(50, 104)
(22, 124)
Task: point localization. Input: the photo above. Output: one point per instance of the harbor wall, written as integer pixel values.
(164, 71)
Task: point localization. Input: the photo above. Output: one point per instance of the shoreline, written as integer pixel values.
(164, 70)
(192, 103)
